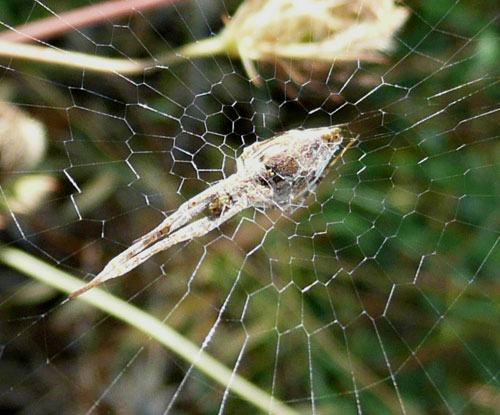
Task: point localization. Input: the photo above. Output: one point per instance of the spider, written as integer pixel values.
(276, 172)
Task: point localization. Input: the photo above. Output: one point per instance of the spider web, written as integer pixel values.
(379, 294)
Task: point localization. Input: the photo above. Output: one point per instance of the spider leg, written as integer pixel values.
(334, 161)
(190, 231)
(184, 213)
(138, 252)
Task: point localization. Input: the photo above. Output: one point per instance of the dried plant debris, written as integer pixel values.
(22, 139)
(313, 30)
(306, 31)
(23, 145)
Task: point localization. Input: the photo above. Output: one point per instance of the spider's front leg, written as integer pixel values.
(124, 261)
(223, 209)
(231, 197)
(184, 213)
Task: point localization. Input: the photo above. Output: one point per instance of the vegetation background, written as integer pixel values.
(408, 223)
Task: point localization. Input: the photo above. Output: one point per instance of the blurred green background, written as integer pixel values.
(379, 296)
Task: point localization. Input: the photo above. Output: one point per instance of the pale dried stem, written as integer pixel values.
(52, 55)
(194, 355)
